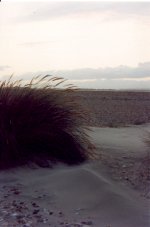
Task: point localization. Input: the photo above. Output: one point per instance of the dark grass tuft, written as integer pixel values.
(41, 122)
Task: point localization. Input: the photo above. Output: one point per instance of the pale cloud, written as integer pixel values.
(35, 44)
(37, 11)
(109, 73)
(102, 78)
(120, 77)
(54, 10)
(83, 81)
(4, 67)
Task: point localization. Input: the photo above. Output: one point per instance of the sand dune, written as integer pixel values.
(86, 195)
(128, 140)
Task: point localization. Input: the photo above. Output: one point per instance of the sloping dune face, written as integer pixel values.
(76, 196)
(40, 121)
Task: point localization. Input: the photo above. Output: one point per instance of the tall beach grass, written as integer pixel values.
(40, 122)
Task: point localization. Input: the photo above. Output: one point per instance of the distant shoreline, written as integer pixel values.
(115, 90)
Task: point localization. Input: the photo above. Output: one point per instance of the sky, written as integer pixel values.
(93, 44)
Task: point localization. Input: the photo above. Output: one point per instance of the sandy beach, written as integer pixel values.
(110, 108)
(106, 192)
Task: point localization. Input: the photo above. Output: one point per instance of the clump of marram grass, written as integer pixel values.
(39, 121)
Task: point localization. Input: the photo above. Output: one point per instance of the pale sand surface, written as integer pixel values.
(94, 194)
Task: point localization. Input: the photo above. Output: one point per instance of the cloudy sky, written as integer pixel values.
(98, 44)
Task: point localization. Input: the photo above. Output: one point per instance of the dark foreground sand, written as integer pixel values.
(107, 192)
